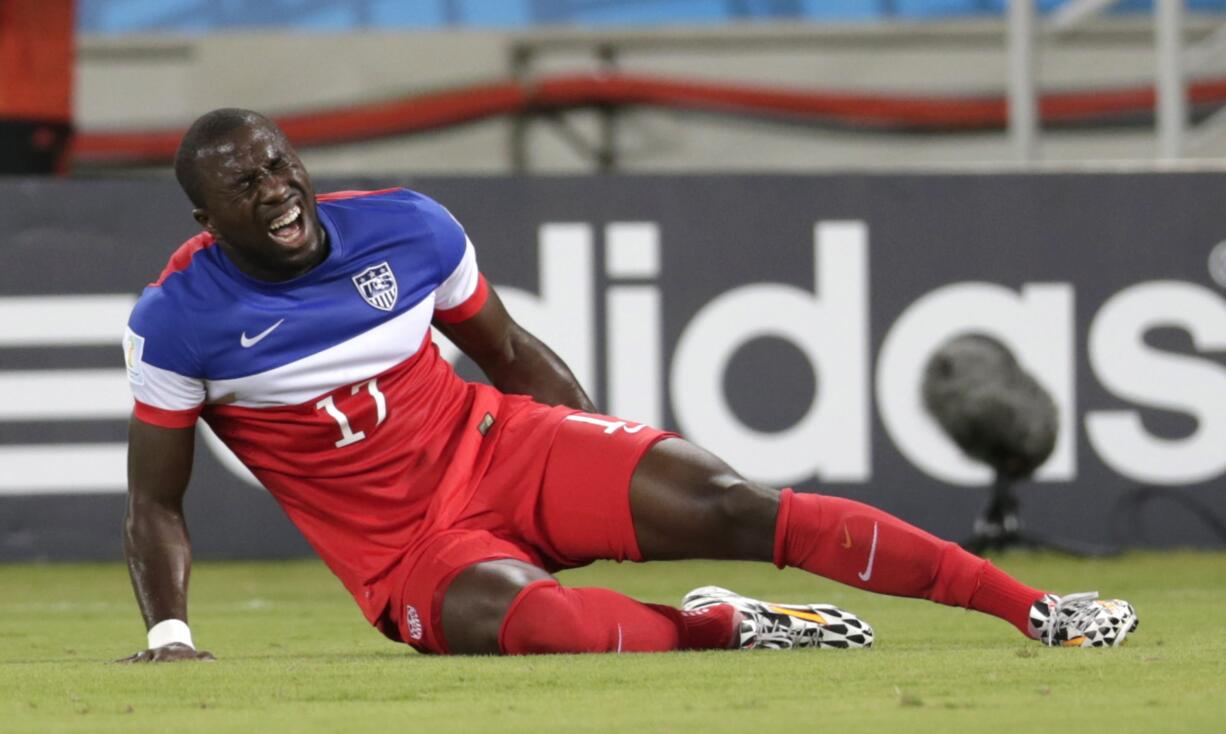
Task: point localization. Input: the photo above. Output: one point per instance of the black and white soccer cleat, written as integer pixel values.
(1081, 620)
(783, 626)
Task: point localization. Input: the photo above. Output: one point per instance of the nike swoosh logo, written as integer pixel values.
(867, 573)
(846, 537)
(252, 341)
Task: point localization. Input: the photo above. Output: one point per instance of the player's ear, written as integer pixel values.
(202, 217)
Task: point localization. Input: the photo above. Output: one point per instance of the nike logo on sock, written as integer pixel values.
(867, 573)
(846, 536)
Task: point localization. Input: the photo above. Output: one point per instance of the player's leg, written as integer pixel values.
(556, 495)
(686, 503)
(580, 512)
(511, 607)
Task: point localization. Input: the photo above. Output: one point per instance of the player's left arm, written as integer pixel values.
(515, 361)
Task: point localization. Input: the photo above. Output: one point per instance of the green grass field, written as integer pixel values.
(295, 655)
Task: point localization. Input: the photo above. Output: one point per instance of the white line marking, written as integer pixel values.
(45, 321)
(85, 394)
(40, 469)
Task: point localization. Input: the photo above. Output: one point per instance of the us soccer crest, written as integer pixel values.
(377, 284)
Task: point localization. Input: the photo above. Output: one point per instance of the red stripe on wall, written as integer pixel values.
(443, 109)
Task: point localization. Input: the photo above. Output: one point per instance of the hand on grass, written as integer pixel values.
(171, 653)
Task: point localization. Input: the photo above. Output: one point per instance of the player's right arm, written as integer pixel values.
(155, 541)
(168, 390)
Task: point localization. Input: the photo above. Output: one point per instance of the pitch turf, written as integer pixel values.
(296, 656)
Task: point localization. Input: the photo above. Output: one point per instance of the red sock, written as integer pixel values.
(864, 547)
(549, 618)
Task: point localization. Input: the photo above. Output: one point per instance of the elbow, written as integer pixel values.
(512, 347)
(502, 361)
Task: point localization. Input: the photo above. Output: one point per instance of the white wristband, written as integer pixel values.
(170, 631)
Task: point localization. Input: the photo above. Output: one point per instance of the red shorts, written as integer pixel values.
(567, 507)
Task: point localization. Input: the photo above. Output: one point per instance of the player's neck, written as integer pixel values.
(274, 274)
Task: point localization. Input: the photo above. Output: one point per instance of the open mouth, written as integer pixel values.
(288, 228)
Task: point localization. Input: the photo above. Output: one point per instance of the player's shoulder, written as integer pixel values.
(185, 257)
(161, 324)
(186, 286)
(191, 271)
(397, 215)
(396, 199)
(172, 283)
(400, 205)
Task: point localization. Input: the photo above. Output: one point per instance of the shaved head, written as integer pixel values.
(204, 132)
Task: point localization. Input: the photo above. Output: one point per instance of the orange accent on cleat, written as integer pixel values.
(810, 616)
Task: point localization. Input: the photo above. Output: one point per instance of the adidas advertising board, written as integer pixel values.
(783, 322)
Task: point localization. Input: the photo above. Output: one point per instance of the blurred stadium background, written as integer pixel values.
(684, 85)
(750, 220)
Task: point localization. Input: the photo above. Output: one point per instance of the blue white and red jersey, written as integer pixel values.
(328, 386)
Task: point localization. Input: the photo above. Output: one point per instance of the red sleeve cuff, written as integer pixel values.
(166, 418)
(469, 308)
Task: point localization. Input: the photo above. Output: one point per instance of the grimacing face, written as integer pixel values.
(258, 202)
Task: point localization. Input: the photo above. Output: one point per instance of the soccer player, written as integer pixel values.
(298, 327)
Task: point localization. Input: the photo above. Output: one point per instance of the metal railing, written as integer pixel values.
(1180, 51)
(1171, 107)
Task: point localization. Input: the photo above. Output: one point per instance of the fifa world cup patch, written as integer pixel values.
(377, 285)
(133, 349)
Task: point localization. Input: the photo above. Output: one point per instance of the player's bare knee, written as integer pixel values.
(477, 601)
